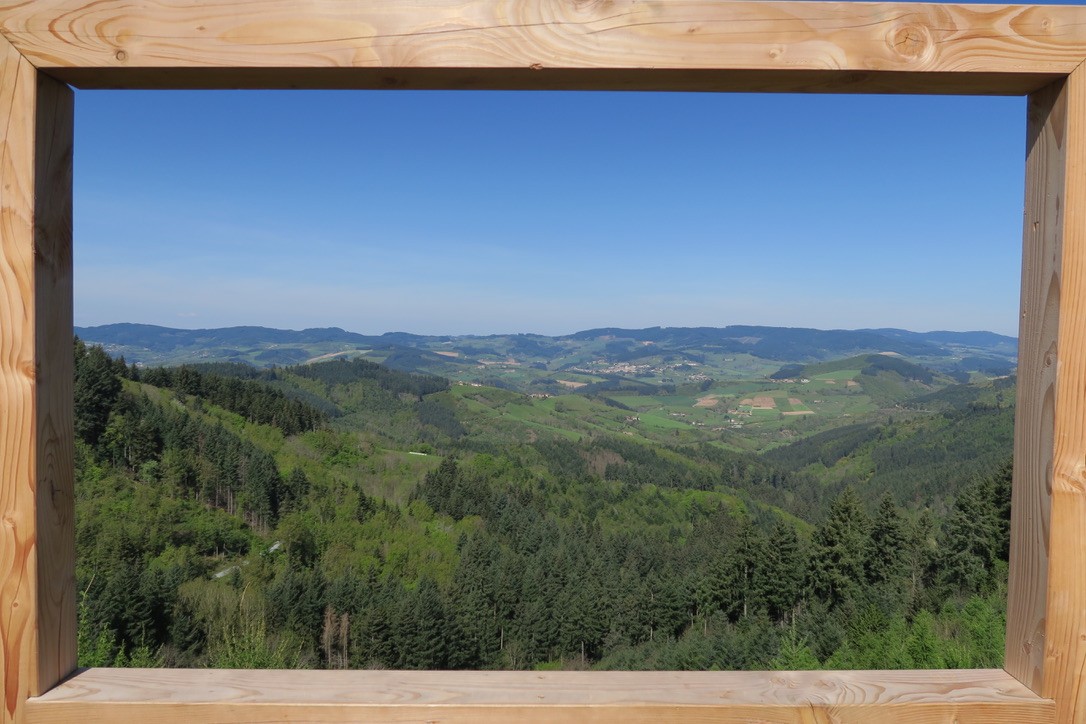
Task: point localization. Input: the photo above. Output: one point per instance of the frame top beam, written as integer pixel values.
(549, 44)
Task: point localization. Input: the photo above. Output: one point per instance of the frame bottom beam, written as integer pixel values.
(984, 696)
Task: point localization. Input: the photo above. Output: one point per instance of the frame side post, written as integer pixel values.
(54, 448)
(1065, 622)
(1046, 124)
(1046, 609)
(37, 551)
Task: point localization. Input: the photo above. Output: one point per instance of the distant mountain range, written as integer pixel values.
(161, 339)
(452, 355)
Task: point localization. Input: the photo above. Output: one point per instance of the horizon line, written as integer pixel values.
(540, 334)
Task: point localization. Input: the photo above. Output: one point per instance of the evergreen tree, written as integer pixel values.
(426, 630)
(974, 537)
(295, 489)
(474, 604)
(920, 561)
(742, 583)
(923, 643)
(96, 389)
(439, 485)
(794, 654)
(783, 572)
(887, 554)
(840, 550)
(373, 629)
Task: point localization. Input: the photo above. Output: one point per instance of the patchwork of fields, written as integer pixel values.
(742, 414)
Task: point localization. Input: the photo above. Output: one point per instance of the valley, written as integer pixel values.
(735, 500)
(748, 388)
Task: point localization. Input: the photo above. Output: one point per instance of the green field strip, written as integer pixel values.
(837, 375)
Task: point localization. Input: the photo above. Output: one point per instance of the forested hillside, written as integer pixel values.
(345, 514)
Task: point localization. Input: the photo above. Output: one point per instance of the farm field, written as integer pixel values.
(760, 413)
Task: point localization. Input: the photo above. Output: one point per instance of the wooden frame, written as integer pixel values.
(703, 45)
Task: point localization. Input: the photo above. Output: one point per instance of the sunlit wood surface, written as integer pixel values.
(536, 44)
(37, 561)
(1065, 621)
(679, 44)
(853, 697)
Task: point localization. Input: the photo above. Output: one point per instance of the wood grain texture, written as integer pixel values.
(680, 44)
(116, 695)
(1065, 625)
(18, 484)
(54, 414)
(1042, 244)
(1046, 618)
(616, 44)
(37, 567)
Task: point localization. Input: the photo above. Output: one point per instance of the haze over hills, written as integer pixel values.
(461, 356)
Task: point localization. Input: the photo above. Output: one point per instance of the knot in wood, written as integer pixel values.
(911, 42)
(121, 56)
(596, 5)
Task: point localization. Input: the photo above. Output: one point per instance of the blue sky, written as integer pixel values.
(475, 212)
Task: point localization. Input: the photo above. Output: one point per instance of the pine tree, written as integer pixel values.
(429, 642)
(886, 555)
(840, 550)
(795, 654)
(782, 574)
(439, 485)
(923, 644)
(741, 582)
(295, 489)
(474, 605)
(96, 389)
(972, 538)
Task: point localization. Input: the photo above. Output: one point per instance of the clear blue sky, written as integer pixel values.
(476, 212)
